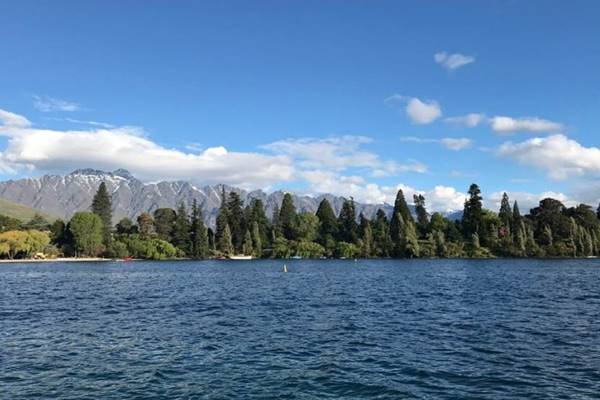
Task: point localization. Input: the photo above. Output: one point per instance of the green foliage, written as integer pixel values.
(224, 245)
(87, 230)
(181, 230)
(148, 248)
(198, 234)
(164, 222)
(348, 229)
(25, 244)
(126, 227)
(9, 224)
(347, 250)
(472, 219)
(145, 224)
(102, 207)
(287, 217)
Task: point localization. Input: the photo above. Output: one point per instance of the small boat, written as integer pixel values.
(296, 257)
(240, 257)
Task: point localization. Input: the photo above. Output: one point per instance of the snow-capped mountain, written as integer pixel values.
(62, 196)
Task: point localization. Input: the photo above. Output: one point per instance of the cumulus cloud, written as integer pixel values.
(507, 125)
(418, 111)
(452, 61)
(126, 147)
(455, 144)
(557, 155)
(469, 121)
(51, 104)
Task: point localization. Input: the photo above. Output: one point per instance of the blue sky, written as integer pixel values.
(351, 97)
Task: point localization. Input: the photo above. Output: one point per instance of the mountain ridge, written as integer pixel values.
(63, 195)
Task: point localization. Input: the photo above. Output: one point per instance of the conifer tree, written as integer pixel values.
(101, 206)
(397, 236)
(328, 227)
(411, 242)
(198, 233)
(516, 216)
(247, 247)
(366, 237)
(348, 229)
(505, 214)
(256, 240)
(235, 219)
(422, 216)
(181, 230)
(287, 217)
(222, 220)
(472, 219)
(164, 222)
(224, 245)
(383, 246)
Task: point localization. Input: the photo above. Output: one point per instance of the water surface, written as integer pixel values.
(443, 329)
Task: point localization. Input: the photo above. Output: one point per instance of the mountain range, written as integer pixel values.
(64, 195)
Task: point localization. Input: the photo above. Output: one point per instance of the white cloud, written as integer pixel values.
(126, 147)
(339, 154)
(470, 120)
(557, 155)
(11, 120)
(508, 125)
(452, 61)
(421, 112)
(418, 111)
(51, 104)
(526, 200)
(454, 144)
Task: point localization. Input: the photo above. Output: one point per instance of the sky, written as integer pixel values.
(355, 98)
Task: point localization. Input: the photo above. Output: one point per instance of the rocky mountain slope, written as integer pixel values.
(64, 195)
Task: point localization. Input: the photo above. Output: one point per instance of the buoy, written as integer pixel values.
(284, 268)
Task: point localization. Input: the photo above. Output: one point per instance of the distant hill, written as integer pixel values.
(62, 196)
(20, 211)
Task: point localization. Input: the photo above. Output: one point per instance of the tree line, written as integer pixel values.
(549, 230)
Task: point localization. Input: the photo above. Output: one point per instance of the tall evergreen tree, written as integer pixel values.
(224, 245)
(181, 230)
(164, 222)
(222, 220)
(348, 229)
(366, 237)
(247, 247)
(328, 228)
(287, 217)
(198, 234)
(382, 241)
(256, 239)
(472, 219)
(102, 207)
(422, 216)
(516, 216)
(257, 214)
(505, 214)
(235, 218)
(411, 242)
(398, 235)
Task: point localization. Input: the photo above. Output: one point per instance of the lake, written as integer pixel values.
(443, 329)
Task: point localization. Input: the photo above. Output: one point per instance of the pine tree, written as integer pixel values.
(222, 220)
(441, 250)
(366, 237)
(422, 216)
(382, 242)
(164, 222)
(235, 219)
(247, 247)
(287, 217)
(328, 227)
(198, 233)
(257, 214)
(348, 229)
(101, 206)
(472, 219)
(411, 242)
(516, 213)
(224, 245)
(181, 230)
(256, 240)
(397, 236)
(505, 214)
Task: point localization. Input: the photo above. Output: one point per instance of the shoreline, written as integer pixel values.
(59, 259)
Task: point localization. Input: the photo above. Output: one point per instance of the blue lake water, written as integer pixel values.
(435, 329)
